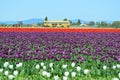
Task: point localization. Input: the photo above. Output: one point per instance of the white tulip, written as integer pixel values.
(51, 65)
(48, 74)
(86, 71)
(118, 65)
(11, 77)
(11, 66)
(44, 67)
(114, 67)
(65, 78)
(119, 75)
(56, 77)
(1, 70)
(73, 64)
(73, 74)
(64, 66)
(104, 67)
(42, 64)
(78, 68)
(66, 73)
(51, 69)
(6, 64)
(17, 65)
(37, 66)
(44, 73)
(20, 64)
(115, 79)
(15, 72)
(6, 73)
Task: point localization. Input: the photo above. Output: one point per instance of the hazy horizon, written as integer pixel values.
(18, 10)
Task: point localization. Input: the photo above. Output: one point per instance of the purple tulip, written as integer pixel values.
(57, 45)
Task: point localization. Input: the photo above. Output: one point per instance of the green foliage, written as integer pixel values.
(103, 24)
(116, 24)
(97, 24)
(20, 23)
(65, 19)
(79, 22)
(70, 21)
(91, 23)
(28, 70)
(38, 24)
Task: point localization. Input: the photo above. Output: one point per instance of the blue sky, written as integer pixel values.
(12, 10)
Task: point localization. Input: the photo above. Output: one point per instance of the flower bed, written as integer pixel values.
(59, 55)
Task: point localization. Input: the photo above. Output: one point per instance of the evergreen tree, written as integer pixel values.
(20, 23)
(79, 22)
(46, 18)
(65, 19)
(91, 23)
(103, 24)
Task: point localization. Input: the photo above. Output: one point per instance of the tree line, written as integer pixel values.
(102, 24)
(114, 24)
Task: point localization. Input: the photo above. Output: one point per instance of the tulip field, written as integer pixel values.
(56, 54)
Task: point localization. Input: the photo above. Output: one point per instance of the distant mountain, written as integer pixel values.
(29, 21)
(36, 20)
(33, 21)
(9, 22)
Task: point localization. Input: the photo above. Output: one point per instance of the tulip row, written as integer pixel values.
(59, 30)
(53, 70)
